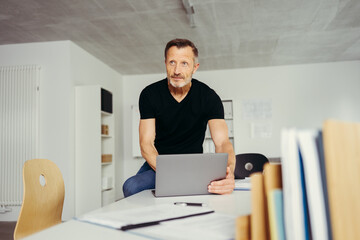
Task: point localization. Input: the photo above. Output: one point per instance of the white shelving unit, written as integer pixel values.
(94, 180)
(208, 145)
(107, 168)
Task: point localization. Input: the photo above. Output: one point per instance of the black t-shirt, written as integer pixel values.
(180, 127)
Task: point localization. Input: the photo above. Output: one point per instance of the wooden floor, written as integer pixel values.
(7, 230)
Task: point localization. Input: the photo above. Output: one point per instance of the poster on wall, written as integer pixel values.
(256, 109)
(259, 113)
(260, 130)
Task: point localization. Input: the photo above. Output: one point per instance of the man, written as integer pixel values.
(174, 113)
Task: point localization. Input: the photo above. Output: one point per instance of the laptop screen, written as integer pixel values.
(188, 174)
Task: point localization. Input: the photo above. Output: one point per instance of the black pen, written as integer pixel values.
(190, 204)
(139, 225)
(153, 223)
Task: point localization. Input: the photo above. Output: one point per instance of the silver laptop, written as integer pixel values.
(188, 174)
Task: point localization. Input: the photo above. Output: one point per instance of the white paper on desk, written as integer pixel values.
(211, 226)
(243, 184)
(118, 219)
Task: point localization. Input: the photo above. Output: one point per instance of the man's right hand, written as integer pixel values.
(224, 186)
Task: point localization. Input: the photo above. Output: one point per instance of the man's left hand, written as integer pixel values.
(224, 186)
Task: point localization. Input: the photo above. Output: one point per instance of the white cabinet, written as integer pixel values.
(208, 145)
(107, 158)
(94, 151)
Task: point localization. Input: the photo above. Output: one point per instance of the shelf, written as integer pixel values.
(106, 163)
(106, 136)
(95, 135)
(107, 189)
(105, 113)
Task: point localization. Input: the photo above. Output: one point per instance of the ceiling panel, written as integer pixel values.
(130, 35)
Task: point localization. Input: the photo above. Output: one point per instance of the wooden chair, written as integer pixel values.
(43, 198)
(247, 163)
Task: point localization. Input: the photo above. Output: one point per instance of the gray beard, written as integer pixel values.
(179, 86)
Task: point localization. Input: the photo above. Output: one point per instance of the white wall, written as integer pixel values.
(64, 65)
(301, 96)
(88, 70)
(56, 96)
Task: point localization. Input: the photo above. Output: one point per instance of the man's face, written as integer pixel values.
(180, 66)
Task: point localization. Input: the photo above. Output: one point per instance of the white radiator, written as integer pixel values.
(19, 126)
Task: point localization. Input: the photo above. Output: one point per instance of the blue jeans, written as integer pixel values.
(144, 179)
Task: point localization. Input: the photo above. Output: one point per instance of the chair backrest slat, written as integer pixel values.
(43, 197)
(248, 163)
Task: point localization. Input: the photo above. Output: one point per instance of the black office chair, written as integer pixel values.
(248, 163)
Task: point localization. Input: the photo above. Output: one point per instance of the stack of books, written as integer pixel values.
(314, 193)
(266, 206)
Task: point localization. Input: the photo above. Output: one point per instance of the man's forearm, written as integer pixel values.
(227, 147)
(149, 153)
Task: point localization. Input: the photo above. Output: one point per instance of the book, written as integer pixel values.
(294, 189)
(320, 146)
(342, 160)
(259, 219)
(273, 191)
(242, 184)
(310, 150)
(276, 214)
(243, 228)
(272, 177)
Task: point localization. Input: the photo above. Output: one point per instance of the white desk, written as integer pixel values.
(236, 204)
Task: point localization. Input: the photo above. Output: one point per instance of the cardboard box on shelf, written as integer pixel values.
(106, 158)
